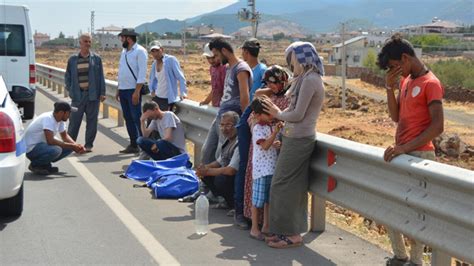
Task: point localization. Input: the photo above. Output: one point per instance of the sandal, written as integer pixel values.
(284, 242)
(258, 237)
(271, 238)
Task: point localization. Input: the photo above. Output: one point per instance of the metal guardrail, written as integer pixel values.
(425, 200)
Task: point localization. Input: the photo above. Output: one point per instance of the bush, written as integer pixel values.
(455, 72)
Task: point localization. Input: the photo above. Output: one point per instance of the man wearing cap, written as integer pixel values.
(42, 148)
(85, 82)
(131, 77)
(217, 72)
(250, 50)
(165, 75)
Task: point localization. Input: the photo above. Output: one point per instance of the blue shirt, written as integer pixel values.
(137, 59)
(257, 73)
(173, 73)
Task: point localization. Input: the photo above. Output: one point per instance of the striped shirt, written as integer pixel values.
(83, 72)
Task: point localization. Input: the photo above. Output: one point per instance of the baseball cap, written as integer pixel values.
(155, 45)
(207, 51)
(251, 43)
(63, 106)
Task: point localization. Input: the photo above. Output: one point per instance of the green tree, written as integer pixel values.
(61, 35)
(278, 36)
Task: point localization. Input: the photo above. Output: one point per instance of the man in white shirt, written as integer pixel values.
(42, 148)
(170, 128)
(131, 77)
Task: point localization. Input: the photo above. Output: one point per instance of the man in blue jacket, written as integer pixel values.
(165, 77)
(85, 83)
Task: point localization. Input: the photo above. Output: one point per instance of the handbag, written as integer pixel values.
(145, 88)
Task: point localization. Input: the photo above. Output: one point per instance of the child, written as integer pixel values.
(264, 160)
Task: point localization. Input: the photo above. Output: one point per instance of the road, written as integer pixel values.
(86, 214)
(455, 116)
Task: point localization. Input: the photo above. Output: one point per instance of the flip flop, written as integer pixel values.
(258, 237)
(287, 243)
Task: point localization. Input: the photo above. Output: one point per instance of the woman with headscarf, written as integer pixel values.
(289, 187)
(276, 80)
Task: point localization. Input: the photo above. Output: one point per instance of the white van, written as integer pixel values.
(17, 57)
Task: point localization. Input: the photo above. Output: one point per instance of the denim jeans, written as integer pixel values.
(43, 154)
(210, 151)
(91, 109)
(221, 185)
(131, 114)
(245, 137)
(166, 149)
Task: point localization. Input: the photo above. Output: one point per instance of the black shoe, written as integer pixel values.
(394, 261)
(241, 222)
(130, 149)
(53, 170)
(190, 198)
(38, 170)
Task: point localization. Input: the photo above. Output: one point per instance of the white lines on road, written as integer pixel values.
(149, 242)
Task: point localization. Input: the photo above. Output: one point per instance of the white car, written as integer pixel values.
(12, 155)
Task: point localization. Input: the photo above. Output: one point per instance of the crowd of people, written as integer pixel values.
(256, 156)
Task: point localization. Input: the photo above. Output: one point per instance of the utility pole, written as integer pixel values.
(343, 74)
(184, 43)
(92, 22)
(146, 38)
(251, 16)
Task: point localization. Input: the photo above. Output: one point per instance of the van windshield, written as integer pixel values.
(12, 40)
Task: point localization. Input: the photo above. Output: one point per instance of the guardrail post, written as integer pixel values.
(197, 154)
(49, 84)
(439, 258)
(120, 121)
(66, 93)
(318, 213)
(54, 86)
(105, 110)
(45, 81)
(60, 89)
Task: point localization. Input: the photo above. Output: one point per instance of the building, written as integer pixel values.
(107, 37)
(357, 49)
(436, 26)
(40, 38)
(202, 30)
(173, 43)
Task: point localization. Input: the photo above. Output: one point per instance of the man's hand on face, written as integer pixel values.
(144, 116)
(392, 76)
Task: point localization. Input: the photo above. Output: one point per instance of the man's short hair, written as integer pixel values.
(257, 106)
(231, 115)
(85, 35)
(219, 43)
(150, 105)
(393, 50)
(63, 106)
(252, 46)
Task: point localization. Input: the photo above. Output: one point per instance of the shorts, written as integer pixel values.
(261, 191)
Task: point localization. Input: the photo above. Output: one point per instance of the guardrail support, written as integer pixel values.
(54, 86)
(60, 89)
(120, 121)
(49, 84)
(197, 154)
(318, 213)
(105, 110)
(439, 258)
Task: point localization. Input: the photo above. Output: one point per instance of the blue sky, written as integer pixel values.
(71, 16)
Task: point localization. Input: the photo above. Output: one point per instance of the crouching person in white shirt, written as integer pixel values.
(43, 148)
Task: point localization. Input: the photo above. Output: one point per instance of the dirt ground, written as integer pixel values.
(368, 124)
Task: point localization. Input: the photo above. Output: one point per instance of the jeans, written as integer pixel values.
(221, 185)
(166, 149)
(91, 109)
(214, 139)
(163, 103)
(43, 154)
(131, 114)
(245, 137)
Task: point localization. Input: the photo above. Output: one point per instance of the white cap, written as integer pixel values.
(155, 45)
(207, 51)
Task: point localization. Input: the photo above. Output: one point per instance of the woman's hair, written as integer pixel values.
(393, 49)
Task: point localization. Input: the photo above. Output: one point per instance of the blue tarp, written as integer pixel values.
(171, 178)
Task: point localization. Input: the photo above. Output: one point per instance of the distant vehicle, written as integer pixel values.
(12, 155)
(17, 57)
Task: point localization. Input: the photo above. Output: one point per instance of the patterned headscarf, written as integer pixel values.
(275, 74)
(306, 55)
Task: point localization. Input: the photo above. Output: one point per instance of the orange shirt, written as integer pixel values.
(413, 101)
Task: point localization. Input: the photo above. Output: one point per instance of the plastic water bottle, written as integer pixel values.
(201, 220)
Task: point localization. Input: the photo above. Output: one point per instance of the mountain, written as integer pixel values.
(325, 15)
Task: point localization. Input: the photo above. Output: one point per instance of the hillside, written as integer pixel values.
(325, 15)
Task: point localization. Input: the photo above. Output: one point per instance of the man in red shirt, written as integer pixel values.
(418, 110)
(217, 72)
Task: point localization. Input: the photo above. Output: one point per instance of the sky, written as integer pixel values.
(72, 16)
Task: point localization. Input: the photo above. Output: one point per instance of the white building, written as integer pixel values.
(174, 43)
(107, 37)
(357, 49)
(436, 26)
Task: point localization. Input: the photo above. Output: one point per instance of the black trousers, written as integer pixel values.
(221, 185)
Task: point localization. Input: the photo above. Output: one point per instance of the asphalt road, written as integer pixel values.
(86, 214)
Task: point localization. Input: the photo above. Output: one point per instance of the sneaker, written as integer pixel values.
(190, 198)
(394, 261)
(241, 222)
(38, 170)
(88, 149)
(130, 149)
(220, 205)
(211, 198)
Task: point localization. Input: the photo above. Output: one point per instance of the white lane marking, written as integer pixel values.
(149, 242)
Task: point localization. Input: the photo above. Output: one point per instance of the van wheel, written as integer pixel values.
(28, 110)
(12, 206)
